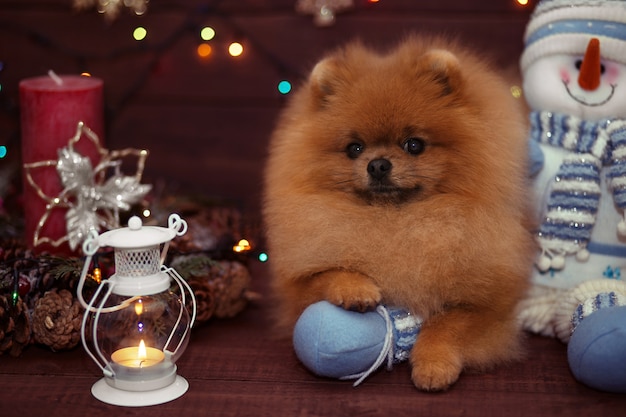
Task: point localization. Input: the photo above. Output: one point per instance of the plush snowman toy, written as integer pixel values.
(574, 81)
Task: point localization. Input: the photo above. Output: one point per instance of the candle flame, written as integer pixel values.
(139, 307)
(142, 354)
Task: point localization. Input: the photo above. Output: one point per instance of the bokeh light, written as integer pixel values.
(263, 257)
(284, 87)
(207, 33)
(235, 49)
(516, 91)
(3, 151)
(242, 246)
(140, 33)
(204, 50)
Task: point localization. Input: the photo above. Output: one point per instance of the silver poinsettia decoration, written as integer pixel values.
(323, 11)
(93, 196)
(111, 8)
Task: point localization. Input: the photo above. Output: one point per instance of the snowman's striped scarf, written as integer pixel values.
(573, 201)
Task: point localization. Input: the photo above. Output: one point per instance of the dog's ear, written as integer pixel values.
(337, 71)
(445, 69)
(324, 78)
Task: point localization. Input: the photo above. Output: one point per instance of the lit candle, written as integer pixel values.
(138, 357)
(51, 107)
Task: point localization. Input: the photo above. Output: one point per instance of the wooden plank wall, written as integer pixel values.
(206, 122)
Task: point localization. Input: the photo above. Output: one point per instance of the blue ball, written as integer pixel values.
(333, 342)
(597, 350)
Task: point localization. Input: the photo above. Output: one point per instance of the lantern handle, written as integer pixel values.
(100, 360)
(179, 227)
(177, 224)
(90, 246)
(184, 287)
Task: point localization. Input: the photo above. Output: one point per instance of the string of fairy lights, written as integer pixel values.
(323, 12)
(143, 44)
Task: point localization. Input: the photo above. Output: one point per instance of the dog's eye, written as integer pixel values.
(414, 146)
(353, 150)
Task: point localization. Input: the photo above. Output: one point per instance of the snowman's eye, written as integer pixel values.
(579, 63)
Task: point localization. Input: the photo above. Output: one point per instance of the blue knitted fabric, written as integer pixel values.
(406, 327)
(617, 170)
(601, 300)
(573, 201)
(565, 204)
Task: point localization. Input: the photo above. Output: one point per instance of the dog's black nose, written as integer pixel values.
(379, 168)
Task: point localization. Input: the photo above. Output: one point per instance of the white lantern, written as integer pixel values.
(137, 325)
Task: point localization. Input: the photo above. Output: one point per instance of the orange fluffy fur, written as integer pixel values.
(442, 234)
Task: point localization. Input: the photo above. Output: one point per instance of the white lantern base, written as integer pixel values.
(110, 395)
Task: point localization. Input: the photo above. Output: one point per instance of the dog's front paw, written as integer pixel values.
(435, 376)
(435, 365)
(354, 292)
(357, 300)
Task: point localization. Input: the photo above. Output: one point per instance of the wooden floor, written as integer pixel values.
(235, 368)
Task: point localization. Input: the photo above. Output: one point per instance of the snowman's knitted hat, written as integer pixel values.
(566, 26)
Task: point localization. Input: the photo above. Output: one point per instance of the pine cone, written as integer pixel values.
(232, 280)
(205, 299)
(15, 326)
(13, 257)
(11, 249)
(221, 288)
(57, 319)
(37, 273)
(211, 228)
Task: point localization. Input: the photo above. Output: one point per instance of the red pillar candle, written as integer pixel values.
(51, 107)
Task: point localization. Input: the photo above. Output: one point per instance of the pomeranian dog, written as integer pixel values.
(400, 178)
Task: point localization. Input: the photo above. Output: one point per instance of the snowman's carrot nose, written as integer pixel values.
(590, 69)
